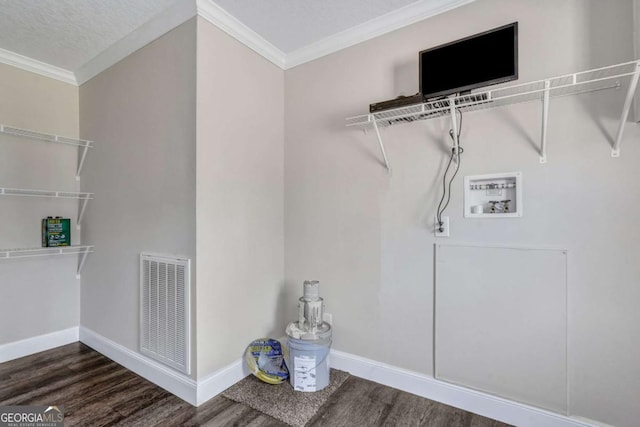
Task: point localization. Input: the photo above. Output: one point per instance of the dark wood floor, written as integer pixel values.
(97, 391)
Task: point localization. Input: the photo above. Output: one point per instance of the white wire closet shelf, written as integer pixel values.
(83, 251)
(57, 139)
(44, 193)
(571, 84)
(83, 197)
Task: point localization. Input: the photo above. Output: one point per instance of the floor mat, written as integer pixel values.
(281, 401)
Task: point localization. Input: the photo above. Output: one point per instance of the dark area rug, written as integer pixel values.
(281, 401)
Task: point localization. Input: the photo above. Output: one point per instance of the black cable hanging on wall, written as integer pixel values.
(446, 190)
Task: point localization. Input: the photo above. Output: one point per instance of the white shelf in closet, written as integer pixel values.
(84, 197)
(83, 145)
(571, 84)
(44, 193)
(83, 251)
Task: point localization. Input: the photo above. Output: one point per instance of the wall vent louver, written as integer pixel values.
(165, 326)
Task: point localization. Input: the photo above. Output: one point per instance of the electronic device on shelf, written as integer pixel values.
(401, 101)
(479, 60)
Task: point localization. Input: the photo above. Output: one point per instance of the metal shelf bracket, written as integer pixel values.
(384, 154)
(83, 156)
(81, 214)
(545, 120)
(454, 133)
(83, 258)
(615, 151)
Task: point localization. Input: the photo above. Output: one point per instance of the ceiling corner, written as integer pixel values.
(210, 11)
(159, 25)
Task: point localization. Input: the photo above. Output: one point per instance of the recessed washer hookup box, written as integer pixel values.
(56, 232)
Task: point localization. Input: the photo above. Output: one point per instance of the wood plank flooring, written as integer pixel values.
(98, 392)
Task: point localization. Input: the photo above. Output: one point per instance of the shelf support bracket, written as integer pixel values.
(384, 154)
(83, 258)
(615, 152)
(454, 127)
(82, 209)
(83, 156)
(545, 121)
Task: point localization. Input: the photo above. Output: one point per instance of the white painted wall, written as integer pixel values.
(37, 295)
(367, 235)
(240, 198)
(141, 113)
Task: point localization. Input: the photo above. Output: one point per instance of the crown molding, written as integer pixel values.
(159, 25)
(38, 67)
(392, 21)
(184, 10)
(222, 19)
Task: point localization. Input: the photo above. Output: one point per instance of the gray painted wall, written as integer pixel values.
(141, 113)
(367, 236)
(39, 295)
(636, 45)
(240, 198)
(157, 194)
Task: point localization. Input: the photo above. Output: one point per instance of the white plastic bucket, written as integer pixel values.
(308, 363)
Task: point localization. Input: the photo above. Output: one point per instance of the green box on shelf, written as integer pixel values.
(56, 232)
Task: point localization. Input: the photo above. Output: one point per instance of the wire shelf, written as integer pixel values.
(30, 134)
(542, 90)
(83, 197)
(83, 146)
(44, 193)
(38, 252)
(81, 251)
(570, 84)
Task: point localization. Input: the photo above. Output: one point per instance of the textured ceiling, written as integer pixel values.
(293, 24)
(68, 33)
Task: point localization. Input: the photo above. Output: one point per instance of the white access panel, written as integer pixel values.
(501, 322)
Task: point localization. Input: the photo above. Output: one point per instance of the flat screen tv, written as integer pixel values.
(475, 61)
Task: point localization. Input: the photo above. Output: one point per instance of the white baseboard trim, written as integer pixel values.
(470, 400)
(163, 376)
(220, 380)
(186, 388)
(198, 392)
(29, 346)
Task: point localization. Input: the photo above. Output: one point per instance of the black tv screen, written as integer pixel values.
(479, 60)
